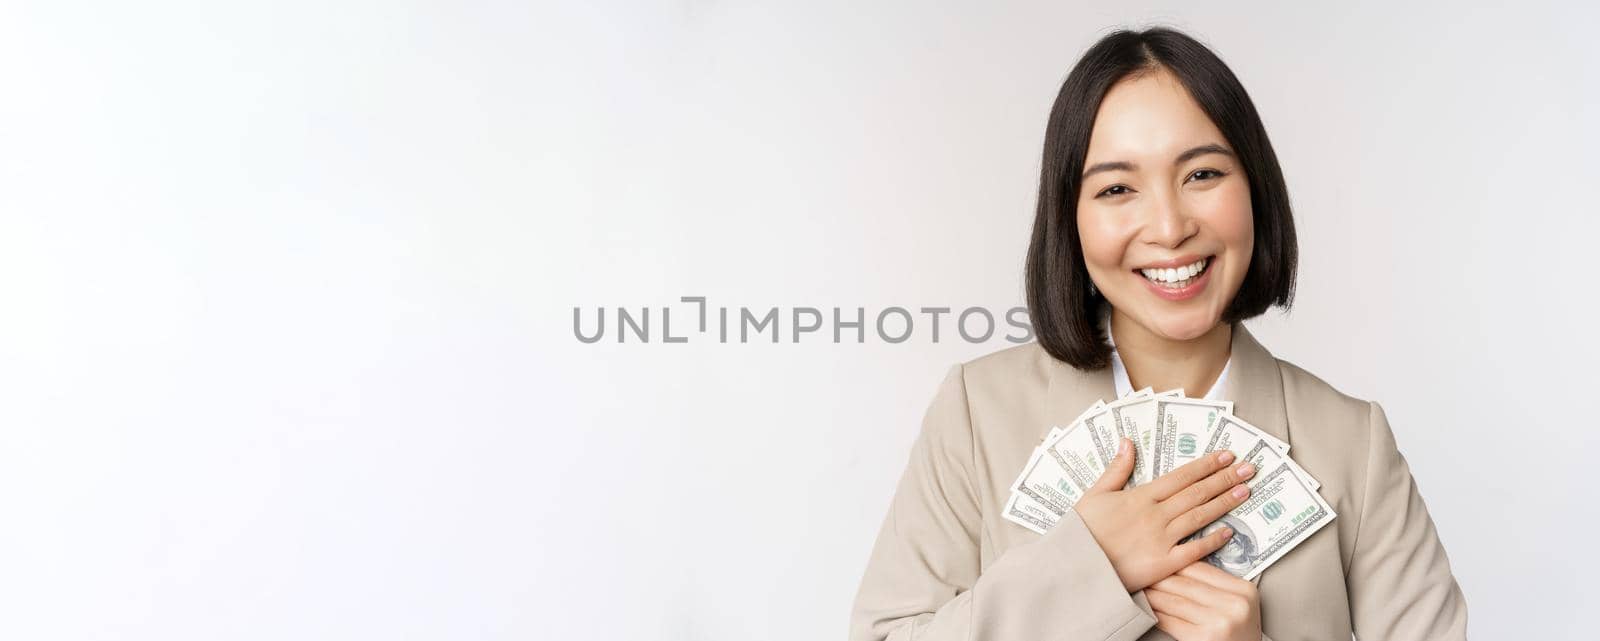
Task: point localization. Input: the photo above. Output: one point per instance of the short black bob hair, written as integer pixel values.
(1064, 312)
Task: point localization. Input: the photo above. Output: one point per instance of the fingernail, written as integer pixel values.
(1122, 449)
(1226, 531)
(1241, 492)
(1226, 457)
(1246, 470)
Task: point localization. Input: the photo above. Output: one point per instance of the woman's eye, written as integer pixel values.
(1114, 190)
(1205, 174)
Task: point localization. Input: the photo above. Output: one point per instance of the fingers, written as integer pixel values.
(1200, 602)
(1191, 521)
(1216, 577)
(1190, 588)
(1116, 474)
(1175, 605)
(1175, 627)
(1200, 547)
(1206, 489)
(1172, 482)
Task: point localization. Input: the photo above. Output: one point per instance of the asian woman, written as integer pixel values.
(1163, 223)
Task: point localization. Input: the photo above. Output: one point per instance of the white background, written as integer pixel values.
(287, 346)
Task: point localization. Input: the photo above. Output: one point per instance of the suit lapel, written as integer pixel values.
(1256, 388)
(1255, 385)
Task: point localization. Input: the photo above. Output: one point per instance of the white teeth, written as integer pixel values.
(1172, 275)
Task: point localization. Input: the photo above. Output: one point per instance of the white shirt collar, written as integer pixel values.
(1119, 373)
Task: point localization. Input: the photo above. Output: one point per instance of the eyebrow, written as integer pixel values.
(1186, 156)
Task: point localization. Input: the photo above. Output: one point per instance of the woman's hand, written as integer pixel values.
(1140, 528)
(1203, 603)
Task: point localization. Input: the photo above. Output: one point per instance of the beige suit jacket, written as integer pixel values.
(946, 566)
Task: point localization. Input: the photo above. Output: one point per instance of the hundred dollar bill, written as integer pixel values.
(1133, 398)
(1030, 514)
(1076, 454)
(1060, 471)
(1044, 479)
(1235, 435)
(1133, 419)
(1047, 483)
(1283, 510)
(1103, 434)
(1182, 426)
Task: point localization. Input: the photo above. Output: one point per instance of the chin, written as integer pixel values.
(1185, 327)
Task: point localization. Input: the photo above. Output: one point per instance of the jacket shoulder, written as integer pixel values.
(956, 419)
(1019, 367)
(1306, 392)
(1005, 388)
(1009, 361)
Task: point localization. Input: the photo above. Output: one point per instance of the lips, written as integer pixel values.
(1175, 276)
(1179, 278)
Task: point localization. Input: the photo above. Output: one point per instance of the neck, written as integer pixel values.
(1162, 363)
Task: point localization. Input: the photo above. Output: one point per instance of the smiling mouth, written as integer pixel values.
(1176, 277)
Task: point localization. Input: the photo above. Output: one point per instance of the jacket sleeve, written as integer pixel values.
(1399, 580)
(924, 580)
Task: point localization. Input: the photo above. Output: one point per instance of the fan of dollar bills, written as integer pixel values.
(1168, 430)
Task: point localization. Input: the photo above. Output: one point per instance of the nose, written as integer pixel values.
(1168, 224)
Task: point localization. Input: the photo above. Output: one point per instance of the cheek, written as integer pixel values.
(1104, 237)
(1227, 212)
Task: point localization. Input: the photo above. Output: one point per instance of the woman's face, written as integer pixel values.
(1164, 210)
